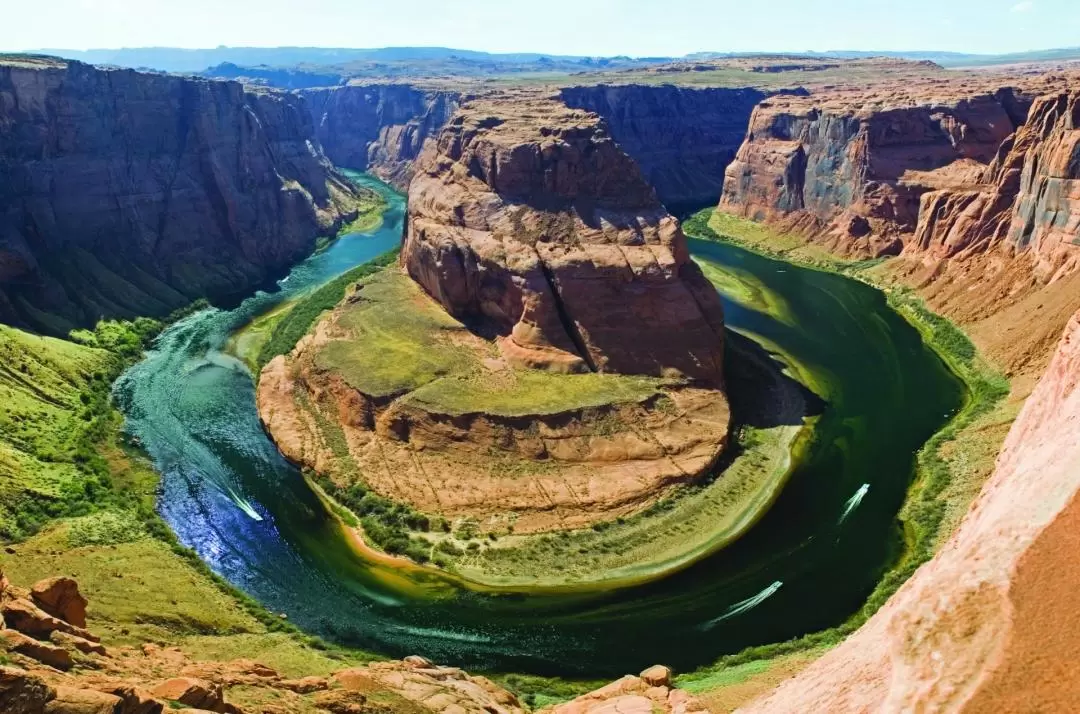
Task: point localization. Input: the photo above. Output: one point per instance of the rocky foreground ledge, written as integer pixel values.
(54, 665)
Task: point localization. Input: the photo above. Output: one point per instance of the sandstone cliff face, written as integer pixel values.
(526, 216)
(1028, 198)
(854, 169)
(683, 138)
(990, 624)
(123, 193)
(379, 127)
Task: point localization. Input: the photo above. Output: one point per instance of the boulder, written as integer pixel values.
(47, 654)
(70, 700)
(26, 617)
(69, 641)
(135, 701)
(195, 693)
(61, 598)
(22, 692)
(657, 676)
(305, 685)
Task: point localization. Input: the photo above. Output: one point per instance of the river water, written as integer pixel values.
(807, 565)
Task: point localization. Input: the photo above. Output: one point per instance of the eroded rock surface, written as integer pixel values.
(534, 246)
(682, 137)
(853, 168)
(42, 678)
(380, 128)
(990, 623)
(126, 194)
(651, 692)
(526, 216)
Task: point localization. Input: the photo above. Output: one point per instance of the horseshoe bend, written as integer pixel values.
(528, 230)
(427, 380)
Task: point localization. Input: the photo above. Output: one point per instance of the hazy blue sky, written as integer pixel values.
(589, 27)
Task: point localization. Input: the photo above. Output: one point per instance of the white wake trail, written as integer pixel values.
(744, 605)
(853, 502)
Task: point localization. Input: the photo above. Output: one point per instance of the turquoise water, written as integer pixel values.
(808, 565)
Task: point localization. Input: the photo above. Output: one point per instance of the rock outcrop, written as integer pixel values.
(683, 138)
(853, 169)
(379, 128)
(41, 678)
(991, 623)
(557, 285)
(527, 217)
(126, 194)
(651, 692)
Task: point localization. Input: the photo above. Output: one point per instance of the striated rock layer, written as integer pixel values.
(125, 194)
(682, 137)
(853, 169)
(982, 198)
(526, 217)
(572, 301)
(991, 623)
(379, 128)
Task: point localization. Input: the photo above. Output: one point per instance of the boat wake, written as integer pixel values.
(744, 605)
(853, 502)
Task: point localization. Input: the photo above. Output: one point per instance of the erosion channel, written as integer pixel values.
(873, 394)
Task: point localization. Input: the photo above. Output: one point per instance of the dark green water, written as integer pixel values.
(229, 495)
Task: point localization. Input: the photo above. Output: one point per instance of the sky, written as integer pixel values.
(577, 27)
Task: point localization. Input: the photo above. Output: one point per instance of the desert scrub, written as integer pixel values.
(389, 525)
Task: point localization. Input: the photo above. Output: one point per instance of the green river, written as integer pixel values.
(807, 565)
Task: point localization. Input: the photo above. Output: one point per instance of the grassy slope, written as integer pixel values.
(952, 466)
(402, 341)
(76, 500)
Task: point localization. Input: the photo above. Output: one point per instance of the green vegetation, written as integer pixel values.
(291, 326)
(387, 524)
(57, 411)
(523, 393)
(75, 498)
(941, 461)
(400, 341)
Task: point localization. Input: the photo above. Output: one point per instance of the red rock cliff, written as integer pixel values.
(853, 168)
(527, 217)
(989, 625)
(379, 127)
(682, 137)
(124, 193)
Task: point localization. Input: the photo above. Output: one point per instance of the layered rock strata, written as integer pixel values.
(527, 217)
(126, 194)
(568, 353)
(853, 169)
(683, 138)
(379, 128)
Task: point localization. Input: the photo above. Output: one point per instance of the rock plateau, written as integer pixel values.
(530, 228)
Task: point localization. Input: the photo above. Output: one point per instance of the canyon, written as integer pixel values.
(194, 189)
(535, 214)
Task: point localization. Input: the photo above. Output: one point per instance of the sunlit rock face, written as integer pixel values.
(525, 215)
